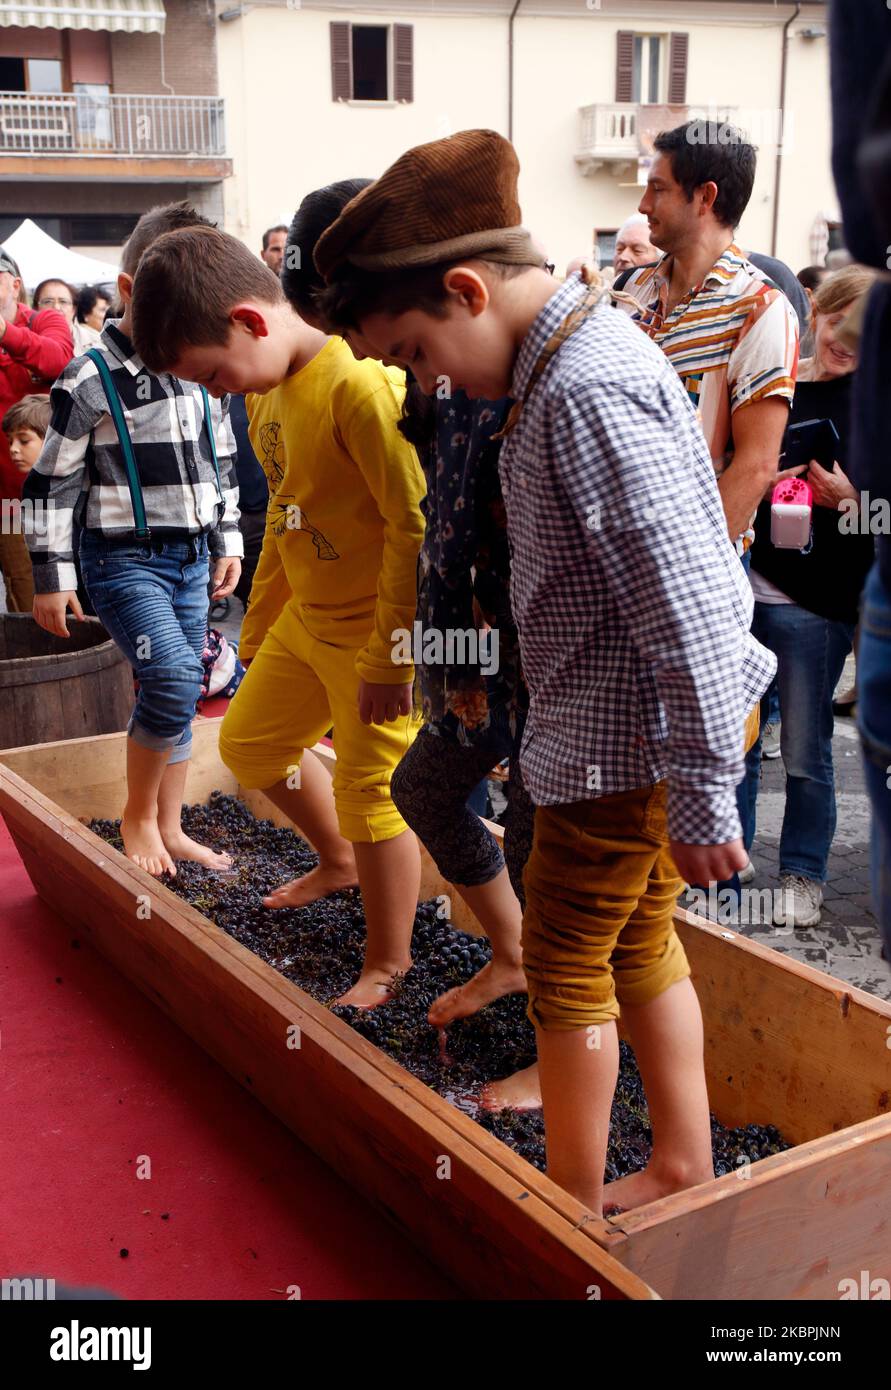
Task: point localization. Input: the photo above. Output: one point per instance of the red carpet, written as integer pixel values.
(97, 1084)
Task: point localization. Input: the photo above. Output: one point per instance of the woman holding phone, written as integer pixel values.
(806, 607)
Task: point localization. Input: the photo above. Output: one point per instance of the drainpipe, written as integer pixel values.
(510, 70)
(782, 131)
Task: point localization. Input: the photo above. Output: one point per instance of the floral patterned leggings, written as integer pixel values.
(430, 788)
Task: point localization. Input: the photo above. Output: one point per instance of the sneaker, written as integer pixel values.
(747, 874)
(770, 741)
(799, 903)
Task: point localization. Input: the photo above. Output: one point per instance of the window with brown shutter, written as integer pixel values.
(341, 62)
(677, 69)
(624, 64)
(403, 62)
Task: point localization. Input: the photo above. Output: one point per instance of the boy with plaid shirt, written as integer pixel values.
(633, 613)
(144, 464)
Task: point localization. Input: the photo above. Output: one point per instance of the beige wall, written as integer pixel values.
(286, 136)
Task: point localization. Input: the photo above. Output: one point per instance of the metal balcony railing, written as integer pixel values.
(97, 123)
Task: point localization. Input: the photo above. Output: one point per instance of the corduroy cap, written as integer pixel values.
(451, 198)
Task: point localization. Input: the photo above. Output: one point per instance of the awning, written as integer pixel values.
(132, 16)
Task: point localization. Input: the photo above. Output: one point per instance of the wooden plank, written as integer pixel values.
(785, 1043)
(797, 1225)
(385, 1132)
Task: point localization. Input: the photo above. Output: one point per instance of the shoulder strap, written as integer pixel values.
(126, 443)
(208, 423)
(573, 320)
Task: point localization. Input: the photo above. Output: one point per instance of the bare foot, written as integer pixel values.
(522, 1091)
(143, 844)
(487, 984)
(318, 883)
(373, 987)
(651, 1183)
(181, 846)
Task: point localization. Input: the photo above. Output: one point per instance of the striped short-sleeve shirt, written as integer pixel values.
(732, 340)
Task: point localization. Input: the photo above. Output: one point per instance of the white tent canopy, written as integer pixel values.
(40, 257)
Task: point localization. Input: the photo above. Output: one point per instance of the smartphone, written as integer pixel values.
(812, 439)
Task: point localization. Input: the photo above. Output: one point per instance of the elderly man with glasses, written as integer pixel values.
(35, 344)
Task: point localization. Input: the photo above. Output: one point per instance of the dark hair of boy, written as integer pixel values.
(304, 288)
(270, 231)
(300, 280)
(86, 300)
(356, 294)
(166, 217)
(812, 276)
(212, 272)
(30, 413)
(727, 160)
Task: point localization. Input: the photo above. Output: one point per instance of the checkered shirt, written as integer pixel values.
(81, 469)
(632, 605)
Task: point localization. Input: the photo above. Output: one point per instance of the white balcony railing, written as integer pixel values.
(85, 123)
(621, 132)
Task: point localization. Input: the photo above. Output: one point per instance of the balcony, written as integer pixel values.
(89, 135)
(618, 134)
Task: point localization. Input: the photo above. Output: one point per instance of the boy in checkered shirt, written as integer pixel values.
(144, 466)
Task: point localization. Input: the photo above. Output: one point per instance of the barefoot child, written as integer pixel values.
(148, 533)
(473, 713)
(633, 614)
(336, 575)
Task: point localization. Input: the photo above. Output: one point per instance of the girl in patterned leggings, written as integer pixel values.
(473, 720)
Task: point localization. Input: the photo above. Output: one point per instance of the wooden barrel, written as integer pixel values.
(53, 687)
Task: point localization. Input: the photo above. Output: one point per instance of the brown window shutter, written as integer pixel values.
(624, 64)
(403, 62)
(341, 62)
(677, 69)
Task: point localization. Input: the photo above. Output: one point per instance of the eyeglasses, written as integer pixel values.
(55, 303)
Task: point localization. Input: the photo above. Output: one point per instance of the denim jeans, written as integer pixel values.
(874, 719)
(151, 598)
(811, 655)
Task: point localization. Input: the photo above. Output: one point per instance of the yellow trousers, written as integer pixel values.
(301, 683)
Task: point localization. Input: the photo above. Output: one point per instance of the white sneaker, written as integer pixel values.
(800, 900)
(770, 741)
(747, 874)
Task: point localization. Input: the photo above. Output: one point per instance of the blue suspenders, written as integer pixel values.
(136, 498)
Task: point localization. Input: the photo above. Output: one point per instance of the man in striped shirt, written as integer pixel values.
(730, 334)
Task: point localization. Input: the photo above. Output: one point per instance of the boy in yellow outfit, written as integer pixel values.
(336, 577)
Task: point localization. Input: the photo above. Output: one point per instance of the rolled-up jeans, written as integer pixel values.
(874, 720)
(151, 598)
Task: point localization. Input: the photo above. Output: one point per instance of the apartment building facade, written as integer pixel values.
(106, 108)
(318, 90)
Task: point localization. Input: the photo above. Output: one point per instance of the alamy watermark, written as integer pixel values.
(757, 125)
(451, 646)
(26, 517)
(747, 907)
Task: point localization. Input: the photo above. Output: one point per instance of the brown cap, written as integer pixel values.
(454, 197)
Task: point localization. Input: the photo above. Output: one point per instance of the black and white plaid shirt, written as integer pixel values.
(81, 468)
(632, 605)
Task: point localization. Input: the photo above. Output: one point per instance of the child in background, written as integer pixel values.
(25, 425)
(633, 613)
(150, 523)
(336, 576)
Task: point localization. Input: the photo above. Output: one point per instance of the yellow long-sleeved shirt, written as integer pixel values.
(344, 526)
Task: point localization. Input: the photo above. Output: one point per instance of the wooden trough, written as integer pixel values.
(785, 1045)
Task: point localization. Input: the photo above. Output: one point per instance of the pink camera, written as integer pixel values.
(790, 514)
